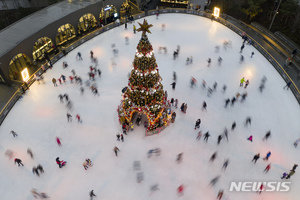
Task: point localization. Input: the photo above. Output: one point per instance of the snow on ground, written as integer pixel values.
(39, 118)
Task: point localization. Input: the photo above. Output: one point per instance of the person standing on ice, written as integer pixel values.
(197, 124)
(219, 139)
(69, 117)
(193, 81)
(227, 102)
(261, 188)
(58, 141)
(92, 195)
(199, 135)
(246, 84)
(255, 158)
(176, 103)
(224, 88)
(267, 156)
(118, 136)
(79, 56)
(29, 152)
(187, 60)
(173, 85)
(204, 105)
(296, 143)
(220, 194)
(203, 84)
(134, 29)
(14, 133)
(226, 133)
(284, 175)
(61, 98)
(92, 55)
(268, 134)
(242, 81)
(122, 138)
(172, 101)
(225, 164)
(206, 136)
(208, 62)
(295, 167)
(213, 157)
(19, 161)
(214, 181)
(220, 61)
(174, 76)
(292, 172)
(78, 118)
(233, 126)
(233, 101)
(250, 138)
(248, 121)
(116, 149)
(242, 47)
(180, 190)
(179, 158)
(215, 86)
(288, 85)
(267, 168)
(252, 54)
(185, 108)
(54, 82)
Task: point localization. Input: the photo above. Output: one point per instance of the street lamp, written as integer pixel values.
(104, 12)
(216, 12)
(25, 74)
(275, 13)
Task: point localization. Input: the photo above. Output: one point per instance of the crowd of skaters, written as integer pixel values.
(244, 83)
(180, 189)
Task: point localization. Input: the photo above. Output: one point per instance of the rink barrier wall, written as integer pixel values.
(96, 32)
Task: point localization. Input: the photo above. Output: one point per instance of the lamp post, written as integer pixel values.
(275, 13)
(104, 12)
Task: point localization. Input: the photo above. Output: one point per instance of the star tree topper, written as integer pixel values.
(144, 27)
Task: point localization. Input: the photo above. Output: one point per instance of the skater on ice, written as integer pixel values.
(116, 149)
(267, 168)
(250, 138)
(197, 124)
(19, 162)
(267, 156)
(233, 126)
(60, 163)
(204, 105)
(268, 134)
(29, 152)
(179, 158)
(92, 195)
(255, 158)
(14, 133)
(206, 136)
(213, 157)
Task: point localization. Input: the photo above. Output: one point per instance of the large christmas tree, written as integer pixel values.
(145, 94)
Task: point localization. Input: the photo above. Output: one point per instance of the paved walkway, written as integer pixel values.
(7, 92)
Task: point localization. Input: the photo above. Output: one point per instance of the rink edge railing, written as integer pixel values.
(91, 35)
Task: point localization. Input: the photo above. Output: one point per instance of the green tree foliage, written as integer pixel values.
(252, 8)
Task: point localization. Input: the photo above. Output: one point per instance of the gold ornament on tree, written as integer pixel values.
(144, 27)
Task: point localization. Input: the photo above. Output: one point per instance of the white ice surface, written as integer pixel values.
(39, 118)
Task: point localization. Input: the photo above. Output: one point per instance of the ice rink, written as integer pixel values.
(39, 117)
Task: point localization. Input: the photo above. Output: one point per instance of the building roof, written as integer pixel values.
(24, 28)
